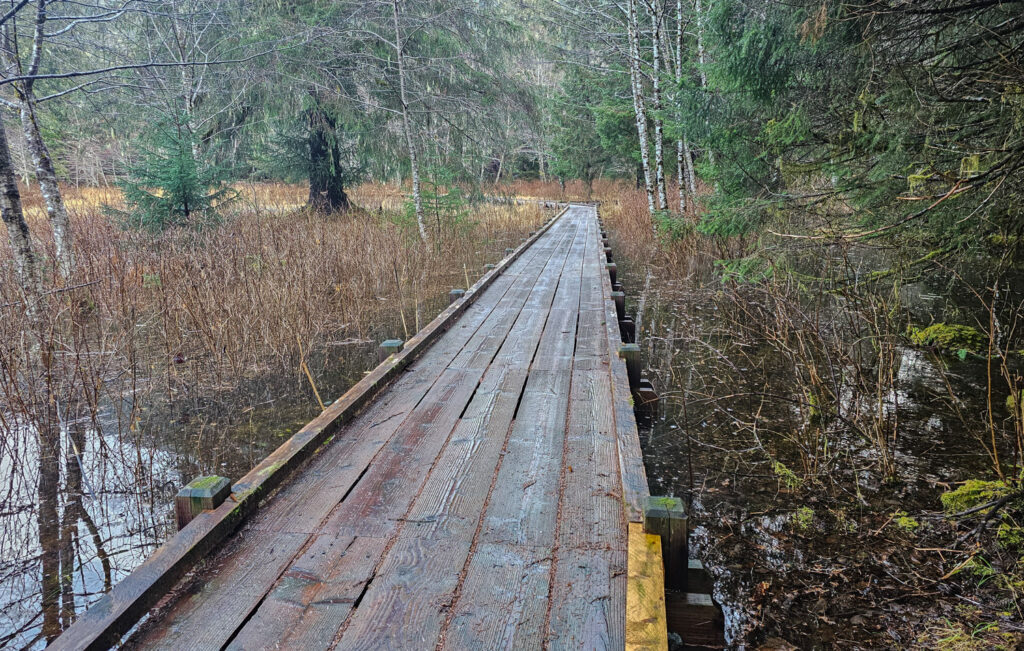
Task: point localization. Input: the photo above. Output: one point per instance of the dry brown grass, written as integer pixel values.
(212, 308)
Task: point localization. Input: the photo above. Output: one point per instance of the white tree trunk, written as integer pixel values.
(14, 219)
(416, 196)
(681, 168)
(47, 179)
(684, 160)
(42, 162)
(691, 178)
(636, 83)
(659, 153)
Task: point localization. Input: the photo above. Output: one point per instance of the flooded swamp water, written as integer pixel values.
(150, 437)
(810, 542)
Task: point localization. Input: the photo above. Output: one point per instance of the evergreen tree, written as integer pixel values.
(169, 187)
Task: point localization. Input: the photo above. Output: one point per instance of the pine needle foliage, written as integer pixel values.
(170, 186)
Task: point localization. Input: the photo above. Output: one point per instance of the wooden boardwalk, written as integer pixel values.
(482, 497)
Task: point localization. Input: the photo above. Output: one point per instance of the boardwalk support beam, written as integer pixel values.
(201, 494)
(627, 330)
(388, 348)
(666, 517)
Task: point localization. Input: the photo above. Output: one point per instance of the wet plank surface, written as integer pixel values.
(482, 500)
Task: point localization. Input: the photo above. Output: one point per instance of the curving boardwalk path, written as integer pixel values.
(481, 500)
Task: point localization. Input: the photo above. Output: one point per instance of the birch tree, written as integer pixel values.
(18, 234)
(639, 107)
(407, 123)
(656, 11)
(27, 106)
(684, 161)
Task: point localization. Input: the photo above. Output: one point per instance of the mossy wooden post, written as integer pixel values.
(620, 304)
(488, 267)
(455, 295)
(666, 517)
(201, 494)
(608, 253)
(611, 271)
(631, 354)
(509, 251)
(388, 348)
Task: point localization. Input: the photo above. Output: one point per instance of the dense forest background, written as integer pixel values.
(186, 184)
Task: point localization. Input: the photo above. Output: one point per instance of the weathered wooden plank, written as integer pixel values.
(329, 590)
(453, 498)
(646, 624)
(590, 557)
(505, 600)
(262, 566)
(591, 513)
(527, 485)
(520, 523)
(631, 462)
(394, 614)
(584, 610)
(383, 495)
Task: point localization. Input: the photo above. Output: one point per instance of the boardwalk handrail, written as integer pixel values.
(114, 614)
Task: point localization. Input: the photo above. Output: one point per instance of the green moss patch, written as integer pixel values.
(960, 340)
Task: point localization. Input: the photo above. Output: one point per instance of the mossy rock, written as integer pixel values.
(960, 340)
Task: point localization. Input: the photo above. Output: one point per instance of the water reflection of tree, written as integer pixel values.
(45, 381)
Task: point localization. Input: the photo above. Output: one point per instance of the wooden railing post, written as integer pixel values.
(201, 494)
(455, 295)
(612, 269)
(388, 348)
(627, 330)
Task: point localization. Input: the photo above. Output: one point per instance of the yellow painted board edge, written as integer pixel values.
(646, 623)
